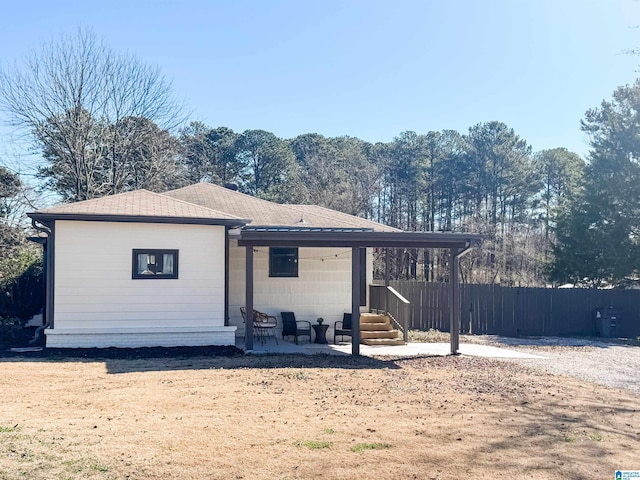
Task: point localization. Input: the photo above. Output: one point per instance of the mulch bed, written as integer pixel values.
(128, 353)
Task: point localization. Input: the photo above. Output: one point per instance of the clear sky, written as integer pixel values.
(366, 68)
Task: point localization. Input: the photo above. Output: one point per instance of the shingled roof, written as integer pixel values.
(206, 203)
(138, 205)
(265, 213)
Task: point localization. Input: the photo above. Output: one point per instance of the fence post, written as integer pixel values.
(405, 322)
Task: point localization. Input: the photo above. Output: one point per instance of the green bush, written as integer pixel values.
(13, 333)
(21, 294)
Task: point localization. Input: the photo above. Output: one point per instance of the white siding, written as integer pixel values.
(322, 288)
(94, 288)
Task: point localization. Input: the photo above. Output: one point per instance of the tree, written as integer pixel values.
(270, 167)
(70, 96)
(562, 173)
(9, 187)
(359, 176)
(502, 184)
(598, 237)
(210, 154)
(11, 236)
(322, 178)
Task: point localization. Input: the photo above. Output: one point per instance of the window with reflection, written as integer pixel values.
(154, 264)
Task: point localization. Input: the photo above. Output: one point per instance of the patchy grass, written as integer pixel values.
(596, 437)
(4, 429)
(84, 465)
(361, 447)
(313, 444)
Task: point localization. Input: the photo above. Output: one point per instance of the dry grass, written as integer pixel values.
(286, 417)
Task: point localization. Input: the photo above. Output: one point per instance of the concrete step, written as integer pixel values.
(382, 341)
(379, 334)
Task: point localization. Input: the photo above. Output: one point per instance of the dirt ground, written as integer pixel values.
(289, 417)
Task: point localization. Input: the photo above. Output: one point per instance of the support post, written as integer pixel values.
(405, 322)
(226, 276)
(454, 308)
(248, 324)
(355, 300)
(387, 267)
(387, 270)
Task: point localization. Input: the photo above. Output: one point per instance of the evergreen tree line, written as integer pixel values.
(486, 181)
(106, 123)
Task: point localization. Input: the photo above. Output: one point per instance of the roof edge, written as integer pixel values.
(47, 217)
(403, 239)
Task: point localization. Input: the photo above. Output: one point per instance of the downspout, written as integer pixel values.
(47, 262)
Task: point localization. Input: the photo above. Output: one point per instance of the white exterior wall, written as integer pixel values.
(98, 304)
(322, 288)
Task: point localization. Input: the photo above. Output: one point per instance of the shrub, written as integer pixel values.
(13, 333)
(21, 294)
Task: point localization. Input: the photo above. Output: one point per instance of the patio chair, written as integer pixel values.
(342, 328)
(264, 325)
(293, 327)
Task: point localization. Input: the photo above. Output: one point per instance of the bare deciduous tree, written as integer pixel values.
(70, 95)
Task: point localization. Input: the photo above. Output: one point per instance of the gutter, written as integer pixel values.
(48, 231)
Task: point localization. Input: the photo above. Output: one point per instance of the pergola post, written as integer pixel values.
(454, 309)
(226, 276)
(248, 302)
(355, 300)
(387, 270)
(387, 267)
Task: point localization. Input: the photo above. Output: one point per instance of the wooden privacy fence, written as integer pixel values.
(514, 311)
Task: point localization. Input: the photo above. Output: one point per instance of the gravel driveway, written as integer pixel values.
(611, 364)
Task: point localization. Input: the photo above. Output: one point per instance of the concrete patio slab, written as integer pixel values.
(408, 350)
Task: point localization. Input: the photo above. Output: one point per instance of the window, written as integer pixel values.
(154, 263)
(283, 262)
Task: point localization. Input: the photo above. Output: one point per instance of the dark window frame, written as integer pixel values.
(279, 251)
(157, 252)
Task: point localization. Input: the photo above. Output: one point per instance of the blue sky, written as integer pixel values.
(369, 69)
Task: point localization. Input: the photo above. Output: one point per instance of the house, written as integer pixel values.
(147, 269)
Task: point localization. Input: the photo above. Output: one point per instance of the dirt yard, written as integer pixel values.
(288, 417)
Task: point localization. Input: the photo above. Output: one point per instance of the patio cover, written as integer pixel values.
(355, 238)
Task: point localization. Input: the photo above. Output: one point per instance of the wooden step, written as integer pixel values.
(382, 341)
(379, 334)
(368, 327)
(373, 318)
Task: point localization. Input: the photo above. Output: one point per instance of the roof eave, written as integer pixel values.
(358, 239)
(86, 217)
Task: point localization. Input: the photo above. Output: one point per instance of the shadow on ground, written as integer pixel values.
(126, 360)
